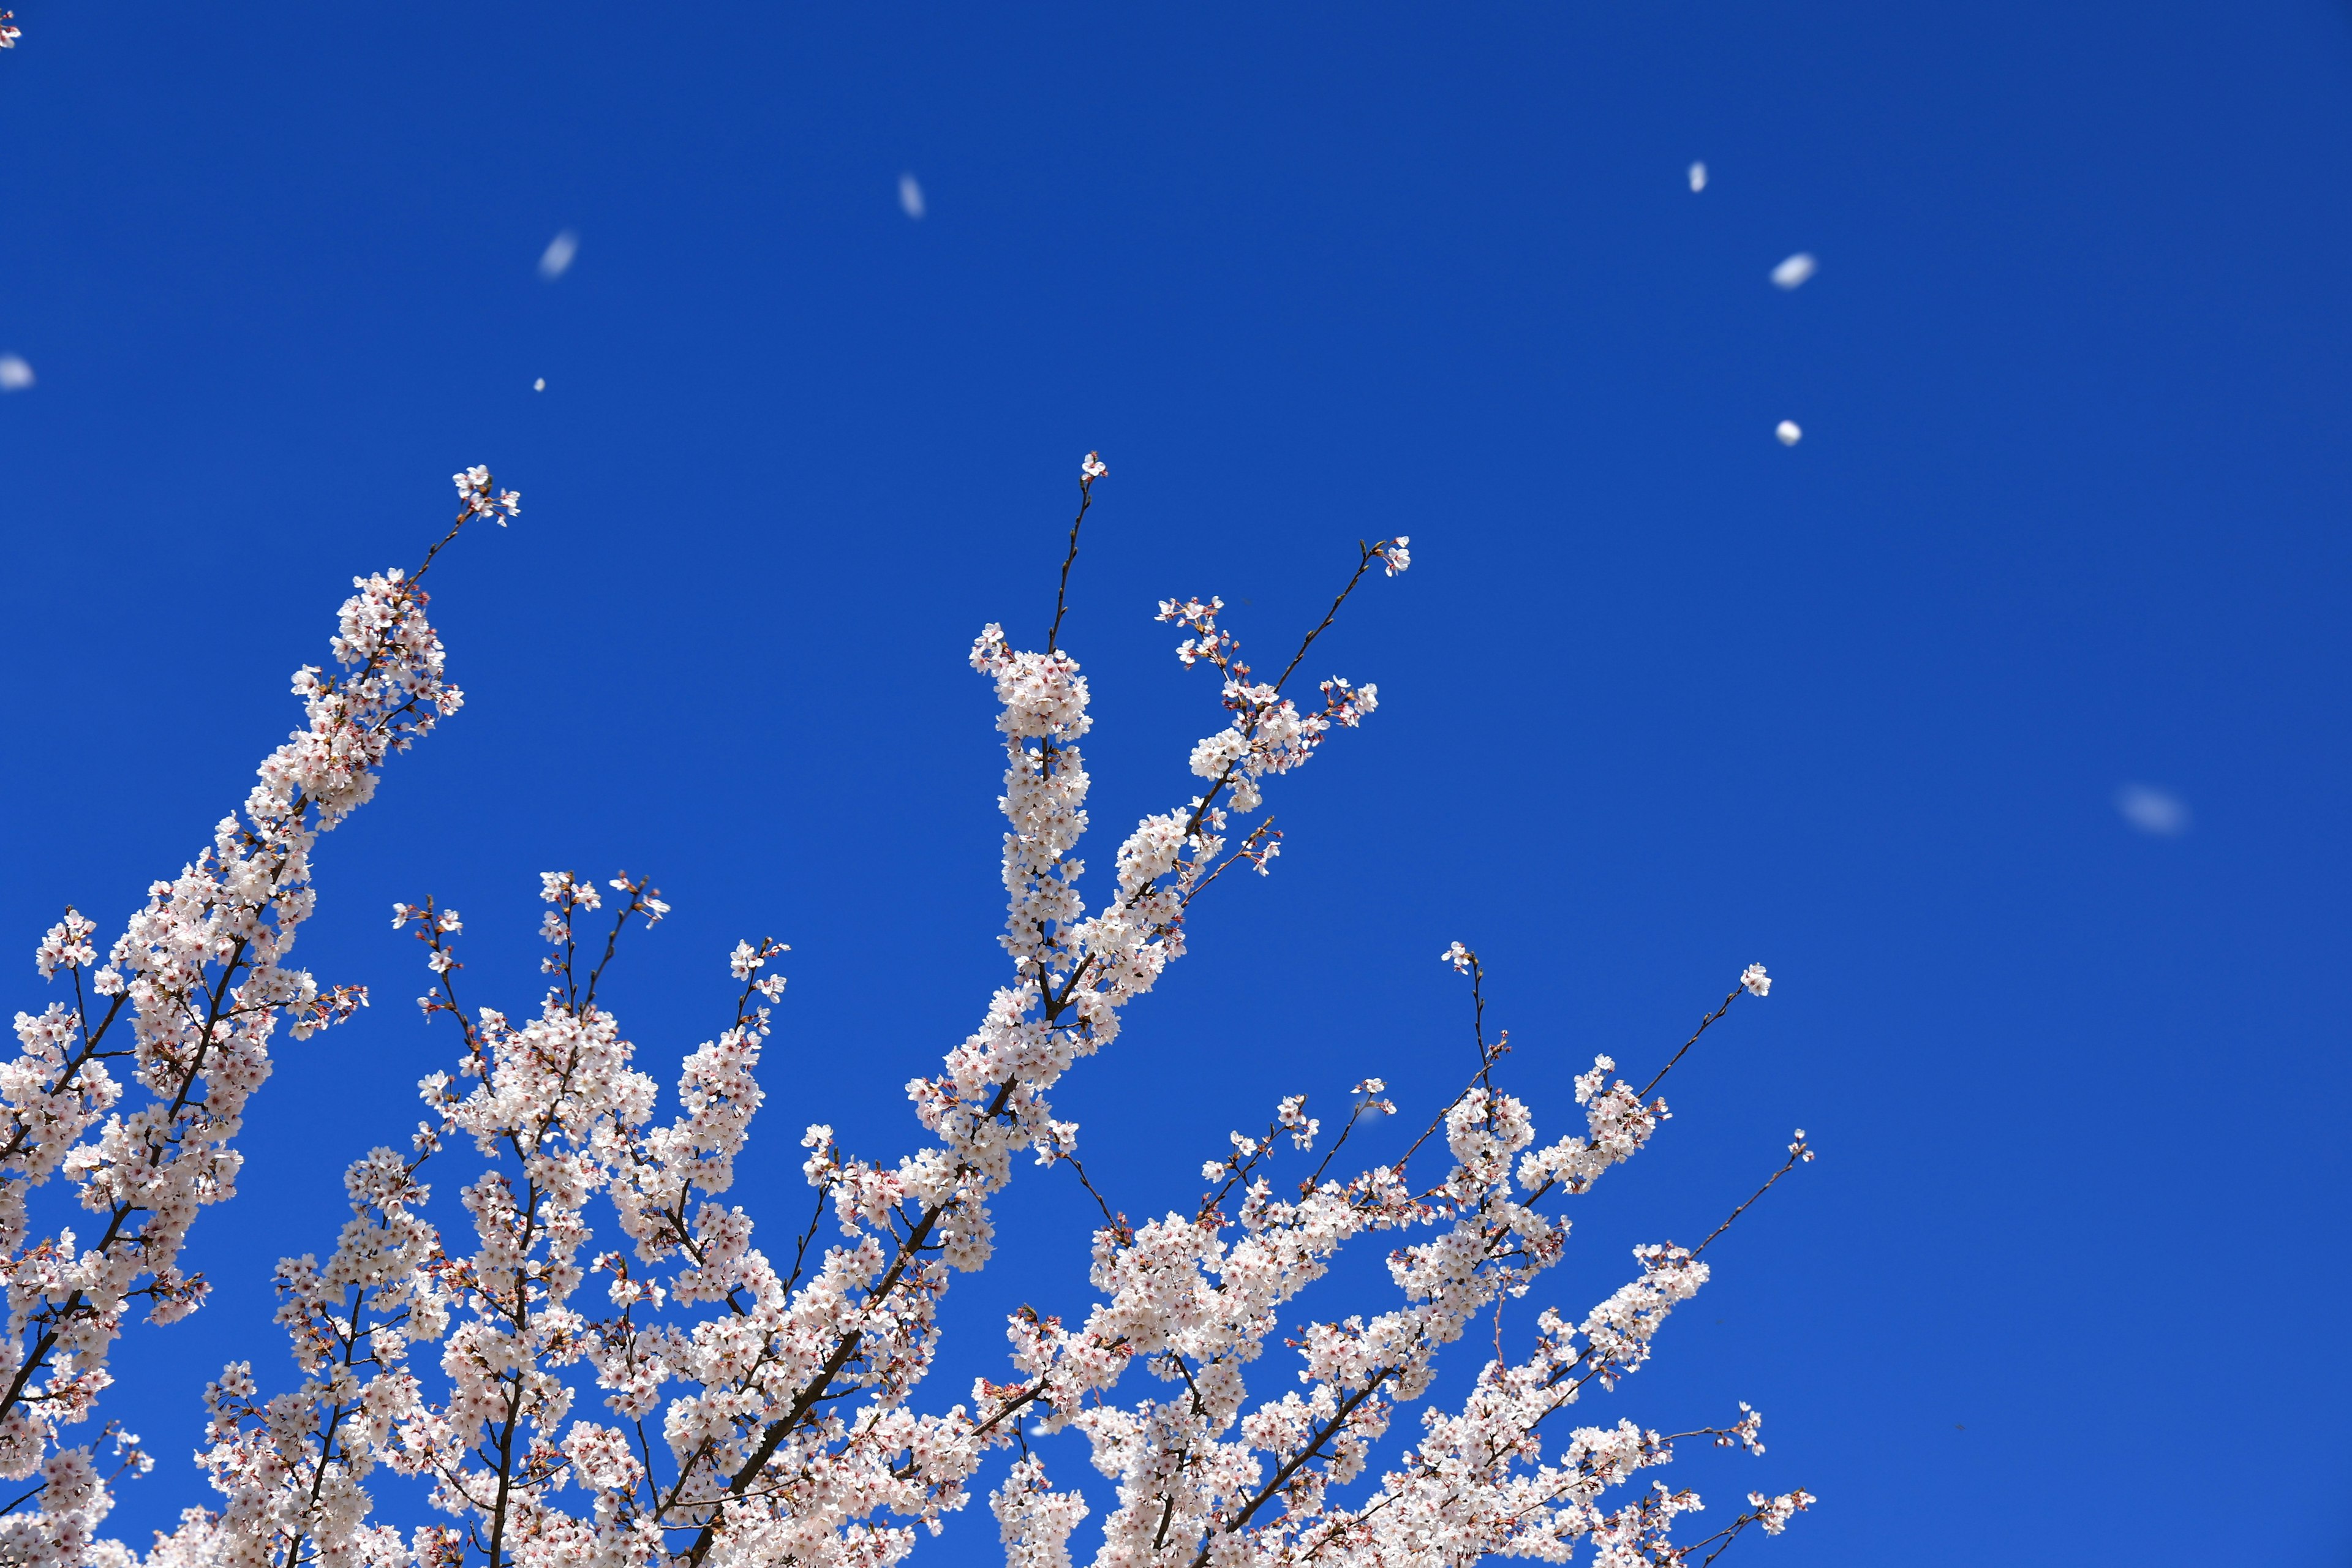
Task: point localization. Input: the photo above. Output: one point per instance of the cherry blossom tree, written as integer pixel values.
(595, 1363)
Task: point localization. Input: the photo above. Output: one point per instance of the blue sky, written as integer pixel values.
(1660, 696)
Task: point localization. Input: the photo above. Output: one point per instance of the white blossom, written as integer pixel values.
(1775, 1512)
(478, 498)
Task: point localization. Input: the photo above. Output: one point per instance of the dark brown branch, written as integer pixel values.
(1062, 594)
(777, 1430)
(1338, 1419)
(1703, 1025)
(1371, 554)
(1797, 1155)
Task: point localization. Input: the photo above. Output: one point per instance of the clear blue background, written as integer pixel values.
(1660, 697)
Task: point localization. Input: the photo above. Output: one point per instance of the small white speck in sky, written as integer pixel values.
(1698, 176)
(1793, 272)
(14, 374)
(2152, 810)
(1789, 432)
(540, 386)
(556, 259)
(911, 195)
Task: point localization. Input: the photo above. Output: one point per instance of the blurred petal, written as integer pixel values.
(557, 257)
(2152, 810)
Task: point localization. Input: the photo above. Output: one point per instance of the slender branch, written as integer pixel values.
(1168, 1513)
(1702, 1026)
(638, 893)
(1253, 849)
(773, 1437)
(1062, 594)
(1371, 554)
(1797, 1154)
(1730, 1533)
(1116, 1222)
(1338, 1419)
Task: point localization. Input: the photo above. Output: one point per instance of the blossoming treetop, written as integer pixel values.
(684, 1397)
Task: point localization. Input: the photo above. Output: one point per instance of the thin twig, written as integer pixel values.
(1702, 1029)
(1062, 594)
(1800, 1152)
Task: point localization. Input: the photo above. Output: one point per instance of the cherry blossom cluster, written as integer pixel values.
(481, 496)
(1267, 733)
(557, 1116)
(594, 1360)
(9, 33)
(143, 1129)
(757, 1411)
(1207, 1475)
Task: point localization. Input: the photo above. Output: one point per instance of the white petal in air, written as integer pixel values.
(2152, 810)
(540, 386)
(1788, 431)
(14, 374)
(556, 259)
(1796, 269)
(911, 195)
(1698, 176)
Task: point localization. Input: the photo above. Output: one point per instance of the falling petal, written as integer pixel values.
(557, 257)
(1796, 269)
(14, 374)
(540, 386)
(2152, 810)
(911, 195)
(1698, 176)
(1789, 432)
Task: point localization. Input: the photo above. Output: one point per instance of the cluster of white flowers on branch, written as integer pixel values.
(689, 1397)
(198, 983)
(1206, 1478)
